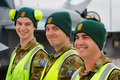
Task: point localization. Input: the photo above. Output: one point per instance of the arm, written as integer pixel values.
(70, 65)
(37, 67)
(115, 75)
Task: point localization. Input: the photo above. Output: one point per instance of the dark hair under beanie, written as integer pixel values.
(94, 29)
(62, 20)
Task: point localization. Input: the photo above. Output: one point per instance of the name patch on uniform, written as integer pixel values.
(70, 72)
(43, 62)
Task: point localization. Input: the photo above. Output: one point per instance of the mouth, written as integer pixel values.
(81, 48)
(51, 38)
(23, 33)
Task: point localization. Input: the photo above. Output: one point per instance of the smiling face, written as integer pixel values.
(85, 46)
(55, 36)
(25, 28)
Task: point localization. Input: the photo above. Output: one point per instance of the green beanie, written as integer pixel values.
(94, 29)
(26, 12)
(62, 20)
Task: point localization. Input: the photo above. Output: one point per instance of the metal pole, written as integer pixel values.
(110, 15)
(13, 4)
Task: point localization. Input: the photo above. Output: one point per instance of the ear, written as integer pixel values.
(34, 28)
(12, 14)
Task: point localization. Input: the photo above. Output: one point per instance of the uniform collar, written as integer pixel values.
(28, 45)
(99, 63)
(62, 50)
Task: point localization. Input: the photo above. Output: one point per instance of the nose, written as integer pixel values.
(80, 41)
(22, 27)
(50, 32)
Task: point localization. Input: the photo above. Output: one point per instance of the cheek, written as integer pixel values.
(46, 34)
(75, 44)
(16, 28)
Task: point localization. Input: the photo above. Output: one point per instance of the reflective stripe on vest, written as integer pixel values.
(22, 69)
(74, 77)
(54, 70)
(102, 74)
(13, 53)
(27, 63)
(106, 71)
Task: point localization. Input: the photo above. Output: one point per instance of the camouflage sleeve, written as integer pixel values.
(38, 64)
(115, 75)
(70, 65)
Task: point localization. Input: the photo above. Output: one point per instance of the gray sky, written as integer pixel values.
(109, 15)
(102, 7)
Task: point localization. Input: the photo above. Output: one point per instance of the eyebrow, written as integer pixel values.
(82, 35)
(52, 27)
(25, 22)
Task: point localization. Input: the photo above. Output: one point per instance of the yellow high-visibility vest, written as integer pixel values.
(53, 73)
(22, 69)
(101, 74)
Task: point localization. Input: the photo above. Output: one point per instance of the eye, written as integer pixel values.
(18, 23)
(47, 29)
(56, 28)
(76, 37)
(86, 37)
(27, 24)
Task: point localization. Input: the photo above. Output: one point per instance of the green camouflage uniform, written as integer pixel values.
(36, 68)
(71, 63)
(115, 75)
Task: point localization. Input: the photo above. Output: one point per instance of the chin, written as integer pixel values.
(52, 44)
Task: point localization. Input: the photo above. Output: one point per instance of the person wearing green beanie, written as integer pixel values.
(62, 20)
(26, 62)
(65, 61)
(96, 33)
(89, 38)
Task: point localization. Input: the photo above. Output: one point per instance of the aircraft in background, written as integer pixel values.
(9, 38)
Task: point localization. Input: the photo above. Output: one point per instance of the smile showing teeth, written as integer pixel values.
(81, 48)
(22, 32)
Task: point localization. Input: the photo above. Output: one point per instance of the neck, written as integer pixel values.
(91, 61)
(23, 42)
(58, 47)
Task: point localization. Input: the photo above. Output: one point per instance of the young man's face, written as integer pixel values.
(25, 28)
(55, 35)
(85, 45)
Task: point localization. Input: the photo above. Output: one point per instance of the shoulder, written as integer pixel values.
(70, 65)
(73, 60)
(40, 58)
(42, 53)
(115, 75)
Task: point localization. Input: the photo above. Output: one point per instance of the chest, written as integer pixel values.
(50, 63)
(19, 56)
(87, 76)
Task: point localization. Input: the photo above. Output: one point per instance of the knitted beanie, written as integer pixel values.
(26, 12)
(61, 20)
(94, 29)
